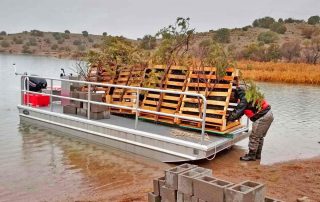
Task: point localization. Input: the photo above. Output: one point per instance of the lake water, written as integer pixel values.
(39, 164)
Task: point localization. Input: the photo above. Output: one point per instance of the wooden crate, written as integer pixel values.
(132, 76)
(204, 81)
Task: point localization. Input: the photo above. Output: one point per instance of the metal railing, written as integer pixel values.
(136, 108)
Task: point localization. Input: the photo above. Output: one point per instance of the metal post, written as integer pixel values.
(51, 104)
(204, 114)
(22, 88)
(89, 99)
(137, 106)
(27, 84)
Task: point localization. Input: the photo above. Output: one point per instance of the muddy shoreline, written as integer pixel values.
(287, 181)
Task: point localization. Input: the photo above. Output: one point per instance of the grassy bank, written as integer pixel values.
(281, 72)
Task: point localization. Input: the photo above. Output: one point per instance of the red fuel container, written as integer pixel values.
(37, 100)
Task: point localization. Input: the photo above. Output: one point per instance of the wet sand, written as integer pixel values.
(287, 181)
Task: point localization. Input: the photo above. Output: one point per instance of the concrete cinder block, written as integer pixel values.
(269, 199)
(179, 196)
(156, 185)
(185, 179)
(247, 191)
(69, 109)
(168, 194)
(187, 198)
(171, 175)
(75, 94)
(153, 197)
(194, 199)
(210, 189)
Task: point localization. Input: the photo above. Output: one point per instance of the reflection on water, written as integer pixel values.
(38, 164)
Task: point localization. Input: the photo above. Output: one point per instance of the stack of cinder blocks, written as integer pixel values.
(81, 108)
(190, 183)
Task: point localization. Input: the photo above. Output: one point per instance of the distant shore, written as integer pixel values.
(278, 72)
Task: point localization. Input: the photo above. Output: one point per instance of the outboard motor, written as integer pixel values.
(37, 84)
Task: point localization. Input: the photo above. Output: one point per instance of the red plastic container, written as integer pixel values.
(37, 100)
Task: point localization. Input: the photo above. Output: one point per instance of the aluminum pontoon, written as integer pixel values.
(161, 142)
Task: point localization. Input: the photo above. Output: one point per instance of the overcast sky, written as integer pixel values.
(135, 18)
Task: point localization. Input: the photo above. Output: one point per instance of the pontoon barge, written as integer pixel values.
(131, 135)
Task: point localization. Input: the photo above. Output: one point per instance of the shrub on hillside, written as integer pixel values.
(54, 47)
(81, 48)
(67, 32)
(222, 35)
(77, 42)
(314, 20)
(96, 45)
(104, 34)
(268, 37)
(291, 20)
(32, 42)
(278, 27)
(85, 33)
(246, 28)
(265, 22)
(309, 31)
(5, 44)
(65, 36)
(90, 40)
(3, 33)
(17, 40)
(36, 33)
(47, 40)
(290, 50)
(148, 42)
(56, 35)
(272, 53)
(26, 49)
(61, 41)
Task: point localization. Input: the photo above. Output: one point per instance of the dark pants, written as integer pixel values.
(259, 130)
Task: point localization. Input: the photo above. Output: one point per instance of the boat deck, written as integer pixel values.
(183, 144)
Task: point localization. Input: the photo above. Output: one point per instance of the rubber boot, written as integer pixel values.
(251, 156)
(258, 155)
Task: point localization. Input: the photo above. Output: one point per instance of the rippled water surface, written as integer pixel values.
(37, 164)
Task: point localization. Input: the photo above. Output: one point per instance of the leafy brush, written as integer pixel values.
(253, 94)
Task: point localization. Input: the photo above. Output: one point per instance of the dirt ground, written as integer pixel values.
(287, 181)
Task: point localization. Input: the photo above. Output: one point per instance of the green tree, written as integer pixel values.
(314, 20)
(268, 37)
(104, 34)
(67, 32)
(3, 33)
(85, 33)
(278, 27)
(148, 42)
(265, 22)
(272, 53)
(222, 35)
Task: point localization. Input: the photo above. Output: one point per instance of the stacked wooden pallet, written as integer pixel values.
(176, 80)
(217, 91)
(153, 77)
(100, 75)
(131, 76)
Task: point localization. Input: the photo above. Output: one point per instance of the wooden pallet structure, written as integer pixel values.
(130, 76)
(217, 92)
(153, 77)
(176, 80)
(100, 75)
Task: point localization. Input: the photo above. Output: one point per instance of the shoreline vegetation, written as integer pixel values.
(269, 50)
